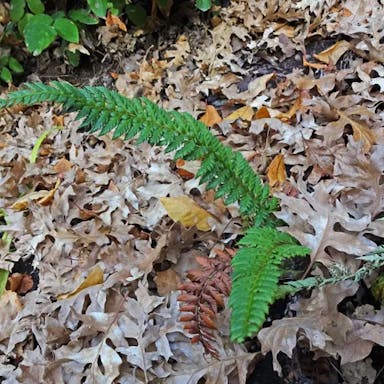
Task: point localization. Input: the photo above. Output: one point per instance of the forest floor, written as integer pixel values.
(95, 259)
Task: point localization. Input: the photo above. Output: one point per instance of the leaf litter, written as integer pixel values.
(296, 86)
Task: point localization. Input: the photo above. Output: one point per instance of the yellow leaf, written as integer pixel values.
(333, 54)
(187, 212)
(244, 113)
(211, 116)
(360, 132)
(94, 277)
(276, 171)
(43, 197)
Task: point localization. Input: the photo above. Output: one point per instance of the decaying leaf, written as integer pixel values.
(187, 212)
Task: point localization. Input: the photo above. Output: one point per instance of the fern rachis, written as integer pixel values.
(256, 266)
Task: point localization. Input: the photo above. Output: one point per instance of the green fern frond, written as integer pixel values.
(256, 265)
(105, 111)
(256, 272)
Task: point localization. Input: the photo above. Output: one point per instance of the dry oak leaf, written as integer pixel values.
(286, 116)
(281, 336)
(42, 197)
(187, 212)
(211, 116)
(262, 113)
(313, 218)
(95, 277)
(317, 319)
(276, 171)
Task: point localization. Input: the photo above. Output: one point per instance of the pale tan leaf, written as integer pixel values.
(10, 306)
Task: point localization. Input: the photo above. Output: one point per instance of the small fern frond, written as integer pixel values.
(256, 272)
(105, 111)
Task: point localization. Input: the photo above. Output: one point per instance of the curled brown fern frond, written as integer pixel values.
(203, 297)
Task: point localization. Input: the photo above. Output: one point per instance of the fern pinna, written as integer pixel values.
(256, 266)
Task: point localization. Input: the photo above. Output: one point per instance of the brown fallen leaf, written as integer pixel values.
(58, 120)
(187, 212)
(167, 281)
(309, 64)
(11, 305)
(276, 171)
(211, 116)
(42, 197)
(20, 283)
(95, 277)
(62, 166)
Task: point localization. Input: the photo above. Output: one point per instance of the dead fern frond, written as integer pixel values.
(203, 297)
